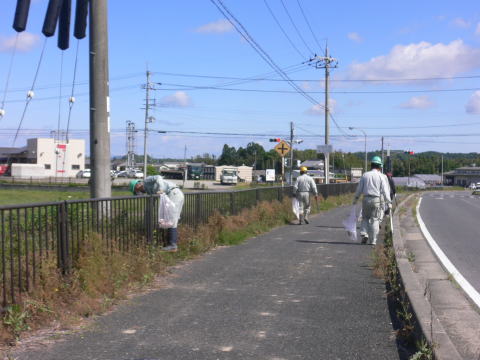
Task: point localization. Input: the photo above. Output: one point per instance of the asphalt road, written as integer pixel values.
(453, 218)
(298, 292)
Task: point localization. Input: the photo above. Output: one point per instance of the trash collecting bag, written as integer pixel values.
(167, 212)
(350, 223)
(296, 207)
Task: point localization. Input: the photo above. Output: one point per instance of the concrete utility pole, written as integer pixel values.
(383, 162)
(148, 119)
(130, 145)
(99, 102)
(326, 62)
(291, 152)
(442, 169)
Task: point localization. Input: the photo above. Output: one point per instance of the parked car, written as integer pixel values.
(84, 174)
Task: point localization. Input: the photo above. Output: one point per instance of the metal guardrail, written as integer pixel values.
(32, 234)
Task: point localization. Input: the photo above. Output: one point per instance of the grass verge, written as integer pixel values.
(102, 276)
(408, 338)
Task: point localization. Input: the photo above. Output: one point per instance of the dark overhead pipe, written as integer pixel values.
(81, 14)
(21, 15)
(64, 25)
(51, 17)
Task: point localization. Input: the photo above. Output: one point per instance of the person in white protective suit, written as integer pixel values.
(373, 186)
(302, 189)
(157, 185)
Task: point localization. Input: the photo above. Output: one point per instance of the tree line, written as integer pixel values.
(404, 164)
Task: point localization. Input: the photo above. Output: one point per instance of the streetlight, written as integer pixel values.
(364, 134)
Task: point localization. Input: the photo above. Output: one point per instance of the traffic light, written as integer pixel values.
(275, 140)
(409, 152)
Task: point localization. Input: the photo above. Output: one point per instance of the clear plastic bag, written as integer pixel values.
(296, 207)
(167, 212)
(350, 223)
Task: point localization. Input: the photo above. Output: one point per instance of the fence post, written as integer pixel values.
(149, 214)
(63, 253)
(257, 196)
(232, 203)
(198, 207)
(279, 194)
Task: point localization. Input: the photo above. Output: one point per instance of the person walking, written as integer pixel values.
(157, 185)
(304, 185)
(373, 185)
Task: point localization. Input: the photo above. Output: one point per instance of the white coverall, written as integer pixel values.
(302, 189)
(156, 184)
(373, 186)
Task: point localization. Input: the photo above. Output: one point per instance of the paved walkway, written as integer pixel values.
(297, 292)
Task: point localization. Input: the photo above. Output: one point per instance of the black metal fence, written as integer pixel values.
(34, 233)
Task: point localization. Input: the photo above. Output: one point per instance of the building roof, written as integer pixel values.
(429, 177)
(409, 181)
(313, 164)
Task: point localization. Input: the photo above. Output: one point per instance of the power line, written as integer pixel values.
(256, 47)
(257, 78)
(283, 31)
(296, 29)
(207, 87)
(308, 23)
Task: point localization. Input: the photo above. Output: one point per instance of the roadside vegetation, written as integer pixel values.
(101, 277)
(411, 343)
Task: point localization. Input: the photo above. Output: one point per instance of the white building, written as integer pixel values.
(44, 157)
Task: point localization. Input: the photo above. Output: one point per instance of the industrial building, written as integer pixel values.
(45, 157)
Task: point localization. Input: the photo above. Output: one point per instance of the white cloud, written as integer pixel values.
(319, 109)
(418, 102)
(473, 104)
(420, 60)
(355, 37)
(26, 42)
(217, 27)
(477, 31)
(461, 23)
(178, 99)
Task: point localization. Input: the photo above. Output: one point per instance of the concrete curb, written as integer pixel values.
(418, 295)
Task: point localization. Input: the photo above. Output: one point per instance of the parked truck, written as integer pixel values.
(229, 176)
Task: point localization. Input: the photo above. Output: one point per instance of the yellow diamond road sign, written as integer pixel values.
(282, 148)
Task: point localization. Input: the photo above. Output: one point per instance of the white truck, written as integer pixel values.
(229, 176)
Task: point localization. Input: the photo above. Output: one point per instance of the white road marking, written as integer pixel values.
(466, 286)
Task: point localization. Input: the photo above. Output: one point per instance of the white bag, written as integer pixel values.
(296, 207)
(167, 212)
(350, 223)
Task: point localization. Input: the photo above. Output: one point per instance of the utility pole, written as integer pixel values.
(99, 101)
(291, 152)
(185, 165)
(148, 119)
(130, 145)
(442, 169)
(382, 157)
(326, 62)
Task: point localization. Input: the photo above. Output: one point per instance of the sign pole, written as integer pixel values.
(283, 167)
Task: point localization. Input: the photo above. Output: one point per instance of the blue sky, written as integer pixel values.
(397, 42)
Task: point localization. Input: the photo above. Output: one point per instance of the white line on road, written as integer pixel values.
(447, 264)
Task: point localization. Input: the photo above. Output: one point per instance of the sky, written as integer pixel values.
(408, 71)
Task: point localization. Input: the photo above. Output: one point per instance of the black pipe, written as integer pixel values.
(51, 17)
(81, 13)
(21, 15)
(64, 25)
